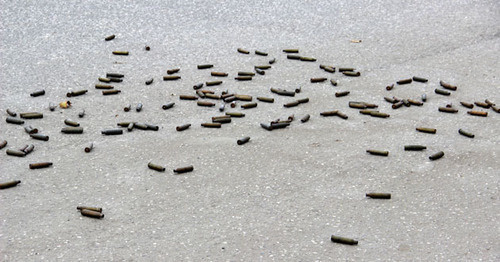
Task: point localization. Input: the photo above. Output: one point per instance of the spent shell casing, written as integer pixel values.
(11, 113)
(211, 125)
(342, 115)
(437, 155)
(23, 148)
(77, 93)
(198, 86)
(138, 108)
(14, 152)
(206, 66)
(447, 109)
(267, 127)
(213, 83)
(38, 93)
(282, 92)
(243, 51)
(265, 99)
(211, 96)
(152, 127)
(379, 195)
(379, 114)
(222, 120)
(120, 52)
(109, 38)
(235, 114)
(115, 80)
(415, 147)
(156, 167)
(318, 79)
(305, 118)
(31, 115)
(168, 105)
(222, 74)
(188, 97)
(222, 107)
(243, 140)
(104, 79)
(333, 82)
(406, 102)
(346, 69)
(170, 78)
(97, 209)
(112, 132)
(260, 53)
(71, 122)
(111, 92)
(357, 105)
(243, 78)
(468, 105)
(91, 213)
(173, 71)
(496, 108)
(221, 117)
(127, 108)
(149, 81)
(3, 144)
(39, 137)
(487, 101)
(350, 73)
(246, 73)
(117, 75)
(141, 126)
(200, 94)
(29, 149)
(229, 99)
(207, 91)
(205, 103)
(367, 111)
(263, 67)
(420, 79)
(478, 113)
(12, 120)
(290, 50)
(482, 104)
(329, 113)
(292, 104)
(182, 127)
(329, 69)
(465, 133)
(130, 126)
(185, 169)
(344, 240)
(40, 165)
(390, 100)
(415, 102)
(249, 105)
(101, 86)
(426, 130)
(369, 105)
(72, 130)
(272, 61)
(303, 100)
(307, 59)
(260, 71)
(10, 184)
(124, 124)
(389, 87)
(279, 125)
(424, 97)
(233, 104)
(448, 86)
(89, 148)
(404, 81)
(397, 105)
(343, 93)
(293, 57)
(377, 152)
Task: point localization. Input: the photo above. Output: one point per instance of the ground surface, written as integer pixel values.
(282, 195)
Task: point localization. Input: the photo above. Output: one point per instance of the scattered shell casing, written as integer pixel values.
(3, 144)
(141, 126)
(222, 74)
(406, 102)
(72, 130)
(357, 105)
(222, 107)
(117, 75)
(243, 140)
(329, 69)
(260, 53)
(266, 126)
(104, 79)
(13, 152)
(200, 94)
(426, 130)
(329, 113)
(415, 147)
(305, 118)
(333, 82)
(404, 81)
(465, 133)
(293, 57)
(168, 105)
(243, 78)
(379, 195)
(303, 100)
(170, 78)
(111, 92)
(138, 108)
(342, 115)
(149, 81)
(222, 120)
(156, 167)
(101, 86)
(260, 71)
(290, 50)
(40, 165)
(272, 61)
(482, 104)
(249, 105)
(496, 108)
(127, 108)
(39, 137)
(198, 86)
(211, 125)
(366, 111)
(307, 59)
(120, 52)
(207, 91)
(279, 125)
(478, 113)
(130, 126)
(448, 86)
(229, 99)
(235, 114)
(77, 93)
(112, 132)
(298, 89)
(318, 79)
(115, 80)
(109, 38)
(182, 127)
(23, 148)
(206, 66)
(343, 240)
(12, 120)
(243, 97)
(152, 127)
(350, 73)
(437, 155)
(343, 93)
(397, 105)
(487, 101)
(31, 115)
(205, 103)
(71, 122)
(284, 92)
(97, 209)
(265, 99)
(91, 213)
(263, 67)
(29, 149)
(213, 83)
(11, 113)
(185, 169)
(420, 79)
(447, 109)
(377, 152)
(415, 102)
(243, 51)
(424, 97)
(246, 73)
(173, 71)
(211, 96)
(188, 97)
(390, 100)
(292, 104)
(38, 93)
(89, 148)
(147, 48)
(9, 184)
(468, 105)
(379, 114)
(346, 69)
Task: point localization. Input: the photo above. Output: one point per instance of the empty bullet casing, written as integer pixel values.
(9, 184)
(426, 130)
(272, 61)
(307, 59)
(205, 66)
(115, 80)
(200, 94)
(39, 137)
(213, 83)
(447, 109)
(205, 103)
(168, 105)
(120, 52)
(333, 82)
(149, 81)
(211, 125)
(243, 51)
(235, 114)
(390, 100)
(305, 118)
(111, 92)
(114, 75)
(419, 79)
(243, 78)
(404, 81)
(221, 107)
(329, 69)
(130, 126)
(89, 148)
(11, 113)
(101, 86)
(141, 126)
(260, 71)
(318, 79)
(482, 104)
(182, 127)
(249, 105)
(379, 195)
(12, 120)
(291, 104)
(290, 50)
(40, 165)
(222, 120)
(378, 152)
(329, 113)
(437, 155)
(246, 73)
(71, 122)
(478, 113)
(379, 114)
(350, 73)
(109, 38)
(303, 100)
(340, 94)
(185, 169)
(188, 97)
(138, 108)
(424, 97)
(72, 130)
(244, 97)
(31, 115)
(263, 67)
(3, 144)
(198, 86)
(13, 152)
(112, 132)
(173, 71)
(415, 102)
(29, 149)
(219, 74)
(346, 69)
(265, 99)
(397, 105)
(104, 79)
(243, 140)
(414, 147)
(96, 209)
(447, 86)
(77, 93)
(344, 240)
(169, 78)
(156, 167)
(91, 213)
(293, 57)
(127, 108)
(38, 93)
(468, 105)
(465, 133)
(260, 53)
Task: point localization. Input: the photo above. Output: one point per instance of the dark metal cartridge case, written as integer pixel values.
(198, 86)
(487, 101)
(29, 149)
(205, 103)
(12, 120)
(222, 107)
(496, 108)
(200, 94)
(168, 105)
(404, 81)
(265, 99)
(89, 148)
(211, 125)
(229, 99)
(379, 114)
(333, 82)
(138, 108)
(115, 80)
(141, 126)
(307, 59)
(91, 213)
(279, 125)
(206, 66)
(104, 79)
(414, 147)
(152, 127)
(260, 53)
(130, 126)
(249, 105)
(293, 57)
(213, 83)
(221, 120)
(343, 93)
(96, 209)
(182, 127)
(478, 113)
(358, 105)
(291, 104)
(272, 61)
(111, 92)
(243, 78)
(9, 184)
(465, 133)
(390, 100)
(244, 97)
(188, 97)
(342, 115)
(40, 165)
(120, 52)
(329, 69)
(185, 169)
(266, 126)
(207, 91)
(263, 67)
(379, 195)
(318, 79)
(13, 152)
(420, 79)
(109, 38)
(221, 117)
(437, 155)
(72, 130)
(482, 104)
(260, 71)
(173, 71)
(346, 69)
(108, 75)
(415, 102)
(243, 51)
(11, 113)
(305, 118)
(378, 152)
(246, 73)
(447, 109)
(38, 93)
(31, 115)
(39, 137)
(222, 74)
(344, 240)
(101, 86)
(291, 50)
(127, 108)
(426, 130)
(397, 105)
(243, 140)
(235, 114)
(350, 73)
(71, 122)
(3, 144)
(303, 100)
(329, 113)
(424, 97)
(468, 105)
(285, 93)
(156, 167)
(112, 132)
(448, 86)
(77, 93)
(170, 78)
(149, 81)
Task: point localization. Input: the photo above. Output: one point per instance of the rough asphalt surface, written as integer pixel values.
(282, 195)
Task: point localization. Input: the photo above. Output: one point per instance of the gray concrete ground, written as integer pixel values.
(281, 196)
